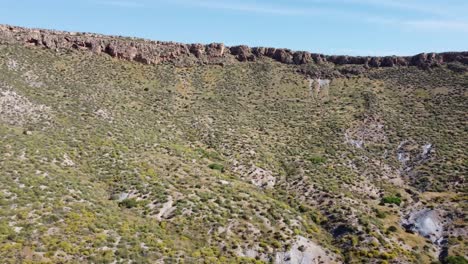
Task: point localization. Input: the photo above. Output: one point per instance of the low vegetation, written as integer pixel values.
(118, 161)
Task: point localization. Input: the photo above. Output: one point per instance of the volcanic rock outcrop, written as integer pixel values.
(154, 52)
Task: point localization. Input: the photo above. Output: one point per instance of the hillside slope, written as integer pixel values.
(106, 159)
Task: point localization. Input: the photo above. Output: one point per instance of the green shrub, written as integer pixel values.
(456, 260)
(391, 200)
(276, 244)
(380, 214)
(317, 159)
(216, 166)
(128, 203)
(392, 229)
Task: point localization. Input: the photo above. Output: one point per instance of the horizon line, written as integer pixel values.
(100, 34)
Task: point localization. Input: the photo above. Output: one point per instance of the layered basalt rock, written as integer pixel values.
(154, 52)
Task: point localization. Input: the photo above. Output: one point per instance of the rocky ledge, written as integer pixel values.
(154, 52)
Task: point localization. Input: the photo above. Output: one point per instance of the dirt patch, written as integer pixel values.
(17, 110)
(305, 251)
(369, 131)
(166, 210)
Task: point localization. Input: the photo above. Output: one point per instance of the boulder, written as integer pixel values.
(242, 53)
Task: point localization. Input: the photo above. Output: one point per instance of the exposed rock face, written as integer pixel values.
(154, 52)
(410, 154)
(262, 178)
(305, 251)
(433, 224)
(242, 53)
(427, 223)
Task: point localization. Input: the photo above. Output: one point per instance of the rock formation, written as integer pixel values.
(154, 52)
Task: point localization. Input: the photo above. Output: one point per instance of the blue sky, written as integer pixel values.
(354, 27)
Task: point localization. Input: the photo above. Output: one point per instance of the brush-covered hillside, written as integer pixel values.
(108, 156)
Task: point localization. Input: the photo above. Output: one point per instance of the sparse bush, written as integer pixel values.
(216, 166)
(391, 200)
(317, 159)
(455, 260)
(128, 203)
(380, 214)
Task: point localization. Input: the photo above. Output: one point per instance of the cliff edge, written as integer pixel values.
(154, 52)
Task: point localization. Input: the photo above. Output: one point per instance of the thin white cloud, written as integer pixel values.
(246, 7)
(264, 8)
(254, 8)
(123, 4)
(441, 8)
(432, 25)
(408, 5)
(218, 4)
